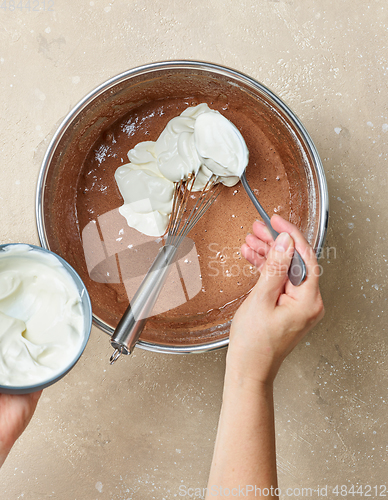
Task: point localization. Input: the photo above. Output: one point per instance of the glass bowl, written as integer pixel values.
(44, 256)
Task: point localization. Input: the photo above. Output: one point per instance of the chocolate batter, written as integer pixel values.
(210, 279)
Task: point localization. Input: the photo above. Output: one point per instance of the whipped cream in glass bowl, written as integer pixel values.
(45, 318)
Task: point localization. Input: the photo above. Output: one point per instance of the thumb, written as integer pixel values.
(274, 272)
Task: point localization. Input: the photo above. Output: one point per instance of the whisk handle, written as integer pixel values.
(137, 313)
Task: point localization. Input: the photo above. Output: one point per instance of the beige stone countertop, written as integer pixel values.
(146, 426)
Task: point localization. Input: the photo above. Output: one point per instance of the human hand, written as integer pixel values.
(276, 315)
(16, 411)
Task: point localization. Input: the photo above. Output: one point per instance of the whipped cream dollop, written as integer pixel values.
(199, 141)
(41, 316)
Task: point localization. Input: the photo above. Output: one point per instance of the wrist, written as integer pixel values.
(246, 364)
(247, 380)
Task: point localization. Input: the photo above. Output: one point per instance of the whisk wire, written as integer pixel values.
(181, 196)
(180, 225)
(202, 205)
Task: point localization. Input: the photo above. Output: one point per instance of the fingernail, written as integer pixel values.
(282, 242)
(260, 222)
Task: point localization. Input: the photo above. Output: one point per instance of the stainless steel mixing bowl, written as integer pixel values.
(116, 97)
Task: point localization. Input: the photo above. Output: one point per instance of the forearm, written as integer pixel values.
(15, 413)
(7, 440)
(6, 443)
(244, 454)
(3, 456)
(265, 329)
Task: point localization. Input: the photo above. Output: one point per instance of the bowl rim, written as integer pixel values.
(85, 298)
(186, 64)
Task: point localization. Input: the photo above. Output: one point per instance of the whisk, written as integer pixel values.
(182, 220)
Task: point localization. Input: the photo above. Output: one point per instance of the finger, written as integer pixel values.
(274, 272)
(252, 256)
(303, 247)
(260, 230)
(257, 245)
